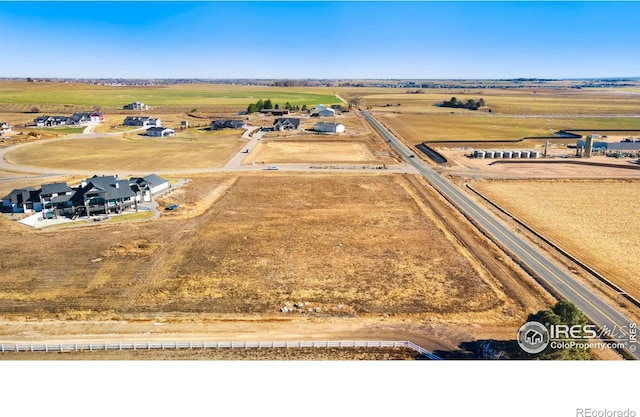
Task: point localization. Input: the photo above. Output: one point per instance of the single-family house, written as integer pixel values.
(326, 127)
(136, 105)
(286, 123)
(5, 127)
(24, 200)
(227, 124)
(141, 121)
(160, 131)
(104, 195)
(56, 199)
(148, 186)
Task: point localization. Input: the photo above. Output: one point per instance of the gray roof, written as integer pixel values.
(22, 195)
(154, 180)
(55, 187)
(158, 129)
(292, 120)
(108, 185)
(62, 198)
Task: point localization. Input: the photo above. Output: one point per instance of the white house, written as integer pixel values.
(148, 186)
(5, 127)
(160, 131)
(327, 127)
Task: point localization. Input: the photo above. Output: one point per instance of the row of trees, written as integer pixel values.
(268, 105)
(470, 104)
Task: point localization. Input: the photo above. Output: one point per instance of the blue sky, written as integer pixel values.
(319, 39)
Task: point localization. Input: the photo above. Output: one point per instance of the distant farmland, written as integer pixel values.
(21, 96)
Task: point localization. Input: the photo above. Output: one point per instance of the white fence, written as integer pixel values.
(97, 346)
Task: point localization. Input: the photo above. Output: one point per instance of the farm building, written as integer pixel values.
(141, 121)
(275, 112)
(136, 105)
(227, 124)
(286, 123)
(5, 127)
(160, 131)
(625, 145)
(24, 200)
(323, 111)
(329, 127)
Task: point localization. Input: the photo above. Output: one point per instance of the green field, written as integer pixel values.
(21, 96)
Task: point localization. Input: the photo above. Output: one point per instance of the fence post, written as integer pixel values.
(46, 347)
(2, 346)
(90, 347)
(119, 345)
(162, 345)
(75, 346)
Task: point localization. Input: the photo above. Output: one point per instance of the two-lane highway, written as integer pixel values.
(598, 311)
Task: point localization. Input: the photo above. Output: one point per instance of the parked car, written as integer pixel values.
(172, 207)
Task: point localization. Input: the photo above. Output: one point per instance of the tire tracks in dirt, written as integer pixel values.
(179, 238)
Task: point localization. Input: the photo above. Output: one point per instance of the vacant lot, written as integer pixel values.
(343, 245)
(133, 153)
(596, 222)
(315, 151)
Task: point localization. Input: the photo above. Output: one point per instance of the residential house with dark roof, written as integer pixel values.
(275, 112)
(23, 200)
(104, 195)
(141, 121)
(136, 105)
(286, 123)
(56, 199)
(227, 124)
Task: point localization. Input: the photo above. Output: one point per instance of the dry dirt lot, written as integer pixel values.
(356, 245)
(593, 220)
(317, 150)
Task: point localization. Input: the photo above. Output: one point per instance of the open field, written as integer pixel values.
(348, 243)
(68, 97)
(132, 153)
(313, 150)
(593, 220)
(418, 128)
(526, 101)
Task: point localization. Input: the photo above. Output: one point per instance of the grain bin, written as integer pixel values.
(534, 154)
(479, 154)
(489, 154)
(515, 154)
(497, 154)
(506, 154)
(525, 154)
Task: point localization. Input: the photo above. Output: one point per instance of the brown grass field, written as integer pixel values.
(595, 221)
(316, 149)
(418, 128)
(133, 153)
(356, 245)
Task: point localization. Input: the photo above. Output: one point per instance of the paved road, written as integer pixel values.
(598, 311)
